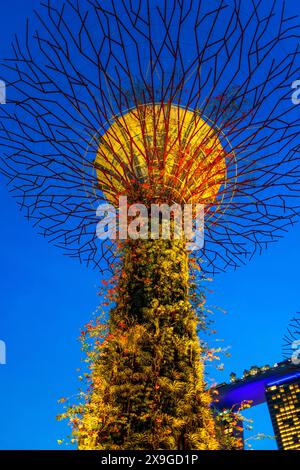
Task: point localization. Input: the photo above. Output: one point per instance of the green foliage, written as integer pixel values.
(146, 375)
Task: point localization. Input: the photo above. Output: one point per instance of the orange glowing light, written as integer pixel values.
(163, 148)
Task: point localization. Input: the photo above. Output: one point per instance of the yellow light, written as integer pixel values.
(168, 149)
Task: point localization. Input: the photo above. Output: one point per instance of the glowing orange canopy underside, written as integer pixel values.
(166, 148)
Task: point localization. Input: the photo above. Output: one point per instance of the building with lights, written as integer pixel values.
(283, 398)
(279, 386)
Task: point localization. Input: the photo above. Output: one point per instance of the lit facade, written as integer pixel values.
(279, 386)
(283, 398)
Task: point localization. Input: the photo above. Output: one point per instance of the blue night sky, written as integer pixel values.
(45, 298)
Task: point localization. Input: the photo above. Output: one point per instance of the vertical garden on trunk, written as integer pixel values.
(147, 380)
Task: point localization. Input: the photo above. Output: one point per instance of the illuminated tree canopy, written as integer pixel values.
(80, 68)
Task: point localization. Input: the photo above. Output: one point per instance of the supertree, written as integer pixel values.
(291, 341)
(162, 102)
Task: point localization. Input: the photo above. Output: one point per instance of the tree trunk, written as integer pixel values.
(148, 390)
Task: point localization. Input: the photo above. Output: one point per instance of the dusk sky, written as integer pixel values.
(46, 298)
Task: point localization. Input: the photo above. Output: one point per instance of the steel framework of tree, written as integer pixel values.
(291, 341)
(82, 64)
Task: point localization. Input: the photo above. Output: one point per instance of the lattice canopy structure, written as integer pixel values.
(291, 341)
(203, 88)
